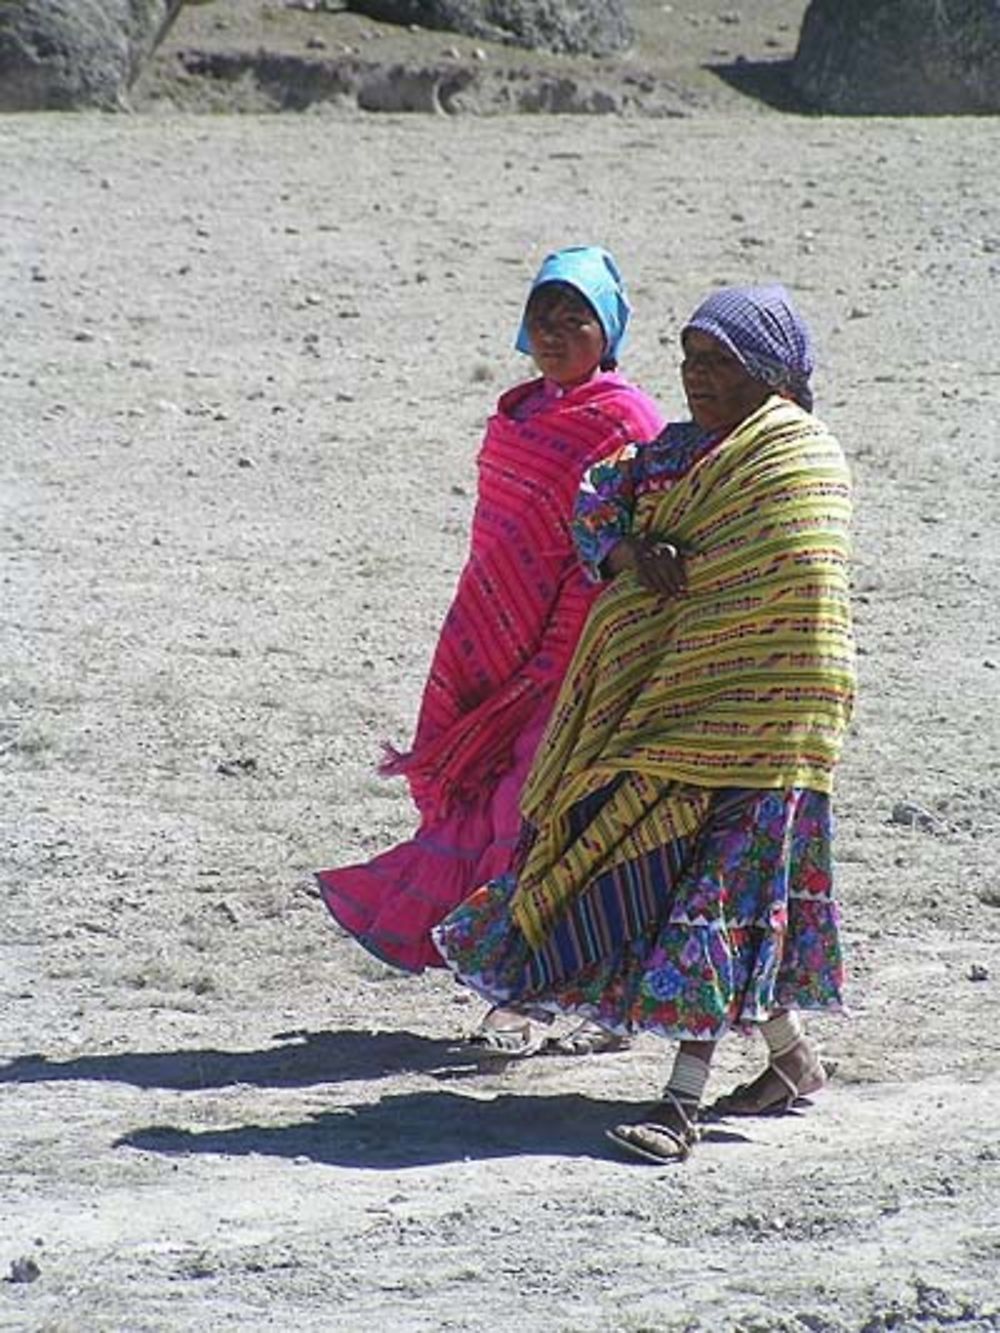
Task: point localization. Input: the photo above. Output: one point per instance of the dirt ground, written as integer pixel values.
(689, 56)
(247, 361)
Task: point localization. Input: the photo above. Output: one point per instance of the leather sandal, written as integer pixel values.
(655, 1141)
(587, 1039)
(507, 1040)
(744, 1100)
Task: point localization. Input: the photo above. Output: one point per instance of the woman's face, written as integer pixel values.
(567, 340)
(720, 393)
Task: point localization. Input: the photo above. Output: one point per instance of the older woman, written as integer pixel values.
(674, 869)
(510, 632)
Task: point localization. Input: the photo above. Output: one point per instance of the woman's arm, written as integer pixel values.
(602, 514)
(602, 528)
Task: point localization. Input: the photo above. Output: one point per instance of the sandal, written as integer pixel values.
(655, 1141)
(749, 1099)
(587, 1039)
(504, 1033)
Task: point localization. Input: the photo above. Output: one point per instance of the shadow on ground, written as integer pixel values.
(419, 1129)
(767, 81)
(303, 1058)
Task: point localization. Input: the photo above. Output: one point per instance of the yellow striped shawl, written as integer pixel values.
(745, 681)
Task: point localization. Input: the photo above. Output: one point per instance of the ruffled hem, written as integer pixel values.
(736, 923)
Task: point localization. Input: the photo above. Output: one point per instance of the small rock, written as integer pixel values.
(244, 461)
(231, 768)
(911, 815)
(24, 1270)
(977, 972)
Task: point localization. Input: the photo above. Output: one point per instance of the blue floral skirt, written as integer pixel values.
(711, 932)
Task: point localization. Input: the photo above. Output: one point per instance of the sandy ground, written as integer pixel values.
(246, 365)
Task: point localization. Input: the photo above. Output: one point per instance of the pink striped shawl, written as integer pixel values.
(521, 599)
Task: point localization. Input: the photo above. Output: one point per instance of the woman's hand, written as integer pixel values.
(658, 563)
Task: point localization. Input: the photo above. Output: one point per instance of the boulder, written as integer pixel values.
(900, 57)
(60, 55)
(566, 27)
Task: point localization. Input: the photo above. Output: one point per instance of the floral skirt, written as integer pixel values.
(711, 932)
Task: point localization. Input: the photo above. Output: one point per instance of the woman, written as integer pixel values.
(673, 873)
(510, 632)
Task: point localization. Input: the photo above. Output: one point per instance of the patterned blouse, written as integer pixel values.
(605, 503)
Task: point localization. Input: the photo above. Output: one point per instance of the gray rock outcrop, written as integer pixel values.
(900, 57)
(565, 27)
(61, 55)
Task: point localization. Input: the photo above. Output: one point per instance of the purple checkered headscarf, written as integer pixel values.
(763, 330)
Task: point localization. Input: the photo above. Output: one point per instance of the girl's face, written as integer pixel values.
(720, 393)
(567, 340)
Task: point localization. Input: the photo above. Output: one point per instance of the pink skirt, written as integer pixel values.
(391, 904)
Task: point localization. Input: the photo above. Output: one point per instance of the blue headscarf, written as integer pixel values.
(763, 330)
(596, 276)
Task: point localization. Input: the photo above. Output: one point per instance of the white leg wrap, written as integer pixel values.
(782, 1033)
(688, 1078)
